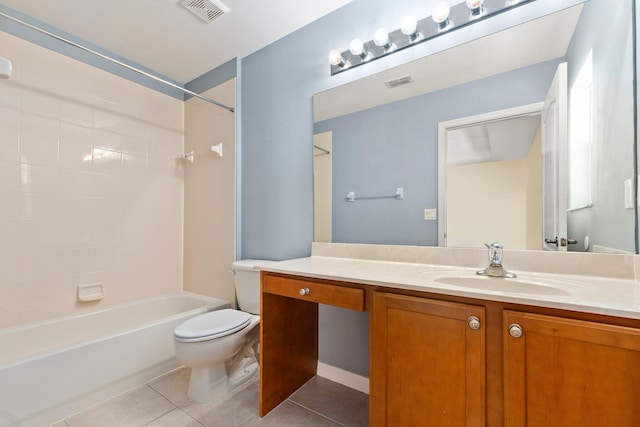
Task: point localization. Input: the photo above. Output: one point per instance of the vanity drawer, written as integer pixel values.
(323, 293)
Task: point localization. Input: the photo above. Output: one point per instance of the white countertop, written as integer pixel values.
(590, 294)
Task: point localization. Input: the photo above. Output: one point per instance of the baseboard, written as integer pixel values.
(343, 377)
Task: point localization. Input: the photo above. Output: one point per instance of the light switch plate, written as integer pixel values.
(430, 214)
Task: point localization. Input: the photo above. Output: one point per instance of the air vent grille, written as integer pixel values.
(398, 82)
(207, 10)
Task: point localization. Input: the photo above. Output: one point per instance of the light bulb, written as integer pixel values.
(381, 38)
(441, 12)
(409, 26)
(335, 58)
(356, 47)
(477, 9)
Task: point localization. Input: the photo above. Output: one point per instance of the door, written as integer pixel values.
(427, 363)
(555, 140)
(566, 372)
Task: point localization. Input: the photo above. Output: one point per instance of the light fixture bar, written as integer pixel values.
(459, 16)
(115, 61)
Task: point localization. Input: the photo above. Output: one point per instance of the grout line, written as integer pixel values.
(315, 412)
(192, 417)
(162, 415)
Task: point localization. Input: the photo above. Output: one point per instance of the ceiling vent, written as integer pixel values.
(398, 82)
(207, 10)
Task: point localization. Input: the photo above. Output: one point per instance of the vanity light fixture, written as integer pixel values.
(356, 47)
(409, 28)
(381, 39)
(477, 8)
(444, 19)
(440, 16)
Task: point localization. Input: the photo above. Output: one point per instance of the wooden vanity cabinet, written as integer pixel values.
(289, 330)
(566, 372)
(427, 362)
(439, 360)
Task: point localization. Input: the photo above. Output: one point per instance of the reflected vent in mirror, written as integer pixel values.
(398, 82)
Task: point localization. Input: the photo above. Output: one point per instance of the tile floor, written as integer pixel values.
(163, 403)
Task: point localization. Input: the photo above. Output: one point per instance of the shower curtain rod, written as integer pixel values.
(115, 61)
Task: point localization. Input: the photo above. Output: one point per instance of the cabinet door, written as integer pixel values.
(565, 372)
(427, 363)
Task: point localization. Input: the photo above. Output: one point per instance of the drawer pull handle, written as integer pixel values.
(304, 291)
(515, 330)
(474, 323)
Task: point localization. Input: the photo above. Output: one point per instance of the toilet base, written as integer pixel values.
(202, 389)
(216, 380)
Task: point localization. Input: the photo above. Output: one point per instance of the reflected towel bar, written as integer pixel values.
(324, 150)
(399, 195)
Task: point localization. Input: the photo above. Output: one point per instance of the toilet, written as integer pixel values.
(221, 346)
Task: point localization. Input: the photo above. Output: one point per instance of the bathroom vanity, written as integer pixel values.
(448, 349)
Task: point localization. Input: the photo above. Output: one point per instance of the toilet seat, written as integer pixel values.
(212, 325)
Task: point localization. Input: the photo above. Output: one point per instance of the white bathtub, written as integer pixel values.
(49, 370)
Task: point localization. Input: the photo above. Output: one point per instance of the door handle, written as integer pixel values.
(563, 242)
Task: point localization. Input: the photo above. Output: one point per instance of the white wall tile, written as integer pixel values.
(38, 139)
(107, 161)
(39, 179)
(9, 177)
(90, 191)
(75, 146)
(10, 135)
(38, 207)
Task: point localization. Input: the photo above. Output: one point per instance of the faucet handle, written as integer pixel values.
(494, 245)
(495, 253)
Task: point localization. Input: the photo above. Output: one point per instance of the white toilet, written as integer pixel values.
(220, 346)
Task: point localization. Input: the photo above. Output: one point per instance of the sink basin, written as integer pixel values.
(523, 284)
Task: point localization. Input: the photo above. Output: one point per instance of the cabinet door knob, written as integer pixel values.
(515, 330)
(304, 291)
(474, 323)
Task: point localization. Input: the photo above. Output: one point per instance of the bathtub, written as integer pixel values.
(49, 370)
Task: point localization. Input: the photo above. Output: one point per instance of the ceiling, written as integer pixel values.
(165, 37)
(494, 141)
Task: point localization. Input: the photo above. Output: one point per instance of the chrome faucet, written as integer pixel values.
(495, 268)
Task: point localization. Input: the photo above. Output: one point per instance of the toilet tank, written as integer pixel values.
(247, 279)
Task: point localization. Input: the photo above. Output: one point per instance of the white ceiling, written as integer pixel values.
(494, 141)
(166, 38)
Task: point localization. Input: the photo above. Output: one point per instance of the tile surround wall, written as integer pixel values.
(91, 190)
(210, 195)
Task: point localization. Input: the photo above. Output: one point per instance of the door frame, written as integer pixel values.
(444, 127)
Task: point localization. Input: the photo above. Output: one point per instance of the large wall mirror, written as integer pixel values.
(525, 136)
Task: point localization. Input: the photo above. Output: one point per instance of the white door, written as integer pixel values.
(555, 137)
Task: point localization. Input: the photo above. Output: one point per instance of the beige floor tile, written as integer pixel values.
(237, 408)
(289, 414)
(174, 386)
(335, 401)
(135, 408)
(175, 418)
(60, 424)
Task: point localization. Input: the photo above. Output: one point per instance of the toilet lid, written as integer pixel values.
(214, 324)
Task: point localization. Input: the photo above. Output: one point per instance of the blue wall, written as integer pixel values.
(278, 83)
(396, 145)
